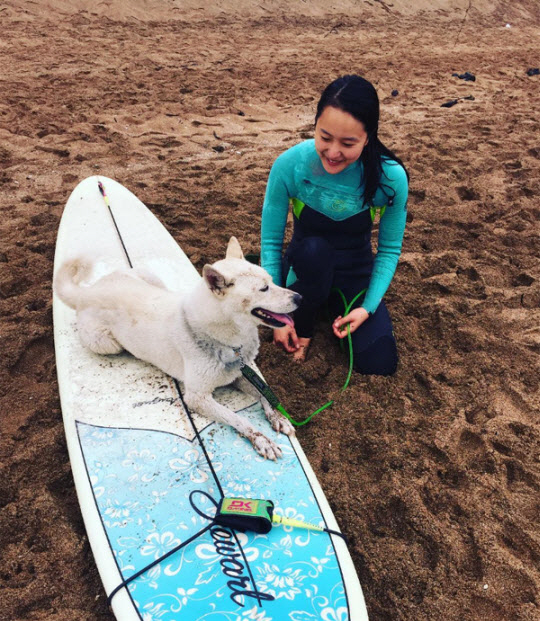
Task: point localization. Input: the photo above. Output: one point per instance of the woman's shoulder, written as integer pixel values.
(394, 172)
(297, 154)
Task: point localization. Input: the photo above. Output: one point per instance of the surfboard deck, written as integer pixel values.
(136, 456)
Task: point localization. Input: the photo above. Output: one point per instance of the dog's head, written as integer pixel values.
(245, 288)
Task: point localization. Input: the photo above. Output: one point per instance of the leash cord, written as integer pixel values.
(199, 439)
(267, 392)
(348, 308)
(156, 562)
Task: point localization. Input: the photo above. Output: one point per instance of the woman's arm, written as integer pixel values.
(391, 230)
(390, 240)
(274, 217)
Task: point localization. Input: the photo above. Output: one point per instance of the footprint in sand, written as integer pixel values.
(521, 544)
(37, 361)
(512, 405)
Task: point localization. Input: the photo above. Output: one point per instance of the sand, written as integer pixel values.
(433, 474)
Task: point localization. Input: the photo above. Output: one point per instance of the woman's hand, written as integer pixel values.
(287, 338)
(354, 319)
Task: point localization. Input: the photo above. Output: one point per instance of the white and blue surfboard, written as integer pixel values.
(137, 455)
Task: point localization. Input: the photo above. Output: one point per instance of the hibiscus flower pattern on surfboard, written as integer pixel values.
(141, 481)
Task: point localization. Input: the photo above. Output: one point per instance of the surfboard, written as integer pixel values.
(137, 454)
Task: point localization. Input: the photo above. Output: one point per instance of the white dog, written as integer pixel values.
(202, 339)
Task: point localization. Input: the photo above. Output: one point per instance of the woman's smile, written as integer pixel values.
(333, 162)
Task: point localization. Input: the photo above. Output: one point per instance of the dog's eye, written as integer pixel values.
(264, 288)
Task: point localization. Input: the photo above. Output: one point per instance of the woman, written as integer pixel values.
(336, 183)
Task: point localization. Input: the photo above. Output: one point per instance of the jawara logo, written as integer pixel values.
(232, 565)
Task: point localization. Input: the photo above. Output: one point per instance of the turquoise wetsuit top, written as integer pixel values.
(298, 177)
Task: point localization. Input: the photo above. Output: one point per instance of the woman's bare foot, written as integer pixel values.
(300, 354)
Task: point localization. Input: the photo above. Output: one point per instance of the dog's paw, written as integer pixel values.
(279, 422)
(264, 446)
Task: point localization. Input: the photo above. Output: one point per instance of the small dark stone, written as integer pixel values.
(523, 280)
(468, 77)
(35, 305)
(395, 93)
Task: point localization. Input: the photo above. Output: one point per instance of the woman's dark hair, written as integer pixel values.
(358, 97)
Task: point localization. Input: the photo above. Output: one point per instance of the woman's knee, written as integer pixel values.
(379, 358)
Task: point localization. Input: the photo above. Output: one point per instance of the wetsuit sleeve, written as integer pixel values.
(391, 230)
(274, 216)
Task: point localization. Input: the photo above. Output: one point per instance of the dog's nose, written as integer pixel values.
(297, 298)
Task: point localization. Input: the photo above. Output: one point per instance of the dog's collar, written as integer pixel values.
(237, 351)
(211, 341)
(225, 358)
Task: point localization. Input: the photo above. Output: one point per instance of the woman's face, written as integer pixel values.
(339, 139)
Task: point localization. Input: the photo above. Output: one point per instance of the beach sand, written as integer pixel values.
(433, 474)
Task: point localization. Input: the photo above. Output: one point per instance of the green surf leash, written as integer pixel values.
(256, 380)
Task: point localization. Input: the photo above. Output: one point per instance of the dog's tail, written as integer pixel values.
(67, 281)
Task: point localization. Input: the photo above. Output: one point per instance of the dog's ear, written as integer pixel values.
(215, 281)
(233, 249)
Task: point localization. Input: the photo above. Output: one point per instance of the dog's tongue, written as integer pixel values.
(286, 319)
